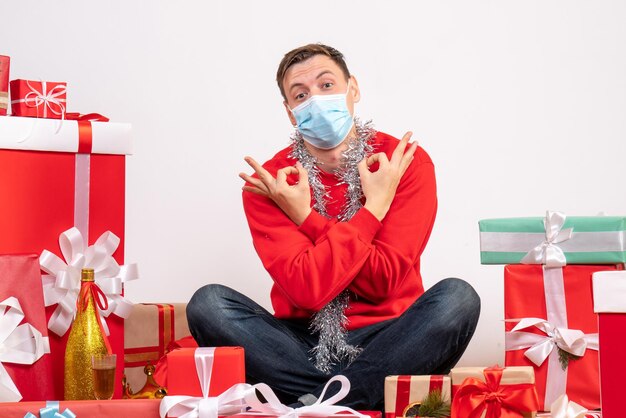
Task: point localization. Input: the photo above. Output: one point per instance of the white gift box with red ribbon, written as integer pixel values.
(79, 136)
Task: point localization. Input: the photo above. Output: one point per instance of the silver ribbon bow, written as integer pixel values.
(548, 252)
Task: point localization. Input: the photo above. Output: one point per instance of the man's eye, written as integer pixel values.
(300, 96)
(328, 85)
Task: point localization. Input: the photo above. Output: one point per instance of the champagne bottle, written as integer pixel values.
(86, 338)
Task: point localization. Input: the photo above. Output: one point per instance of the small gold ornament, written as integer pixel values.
(86, 338)
(411, 409)
(151, 390)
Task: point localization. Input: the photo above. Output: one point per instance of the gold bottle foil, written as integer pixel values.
(86, 338)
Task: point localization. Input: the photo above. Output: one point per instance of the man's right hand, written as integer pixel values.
(294, 200)
(380, 186)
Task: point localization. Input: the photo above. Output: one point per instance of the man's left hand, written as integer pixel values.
(294, 200)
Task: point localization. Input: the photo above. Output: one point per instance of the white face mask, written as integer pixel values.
(324, 119)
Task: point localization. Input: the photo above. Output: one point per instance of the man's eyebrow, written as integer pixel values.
(320, 75)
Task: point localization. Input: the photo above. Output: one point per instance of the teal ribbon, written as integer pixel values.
(51, 410)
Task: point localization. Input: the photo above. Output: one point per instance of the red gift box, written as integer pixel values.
(117, 408)
(20, 277)
(46, 193)
(38, 99)
(182, 377)
(609, 293)
(493, 392)
(4, 84)
(562, 298)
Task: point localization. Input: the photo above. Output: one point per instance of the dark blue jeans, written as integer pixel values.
(428, 338)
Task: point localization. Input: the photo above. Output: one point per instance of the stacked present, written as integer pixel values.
(550, 320)
(62, 187)
(552, 341)
(467, 392)
(150, 332)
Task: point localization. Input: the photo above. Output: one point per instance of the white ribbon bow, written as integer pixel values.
(236, 399)
(548, 252)
(228, 403)
(36, 98)
(563, 408)
(62, 283)
(20, 344)
(321, 408)
(539, 346)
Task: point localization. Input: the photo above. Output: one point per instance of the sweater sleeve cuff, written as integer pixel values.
(313, 226)
(366, 224)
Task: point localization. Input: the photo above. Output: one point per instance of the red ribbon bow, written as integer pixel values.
(100, 299)
(84, 129)
(499, 401)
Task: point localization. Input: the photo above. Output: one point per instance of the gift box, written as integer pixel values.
(404, 394)
(38, 99)
(555, 240)
(4, 84)
(551, 326)
(370, 414)
(78, 181)
(148, 333)
(116, 408)
(493, 392)
(609, 293)
(20, 278)
(225, 367)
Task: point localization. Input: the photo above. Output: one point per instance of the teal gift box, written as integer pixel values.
(555, 240)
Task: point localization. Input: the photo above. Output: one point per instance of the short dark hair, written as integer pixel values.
(302, 54)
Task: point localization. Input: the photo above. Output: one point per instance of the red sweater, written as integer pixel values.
(379, 262)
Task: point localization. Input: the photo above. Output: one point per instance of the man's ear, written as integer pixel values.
(354, 89)
(292, 119)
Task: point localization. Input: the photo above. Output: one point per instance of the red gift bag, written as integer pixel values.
(20, 277)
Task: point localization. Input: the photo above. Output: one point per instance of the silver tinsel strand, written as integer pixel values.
(330, 322)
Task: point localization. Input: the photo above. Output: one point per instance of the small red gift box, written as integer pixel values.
(20, 277)
(561, 299)
(38, 99)
(403, 393)
(46, 193)
(609, 293)
(4, 84)
(227, 369)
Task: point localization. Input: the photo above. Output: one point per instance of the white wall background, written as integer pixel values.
(521, 105)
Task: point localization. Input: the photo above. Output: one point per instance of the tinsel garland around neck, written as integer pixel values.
(330, 321)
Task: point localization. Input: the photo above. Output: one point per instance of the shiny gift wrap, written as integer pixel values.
(555, 240)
